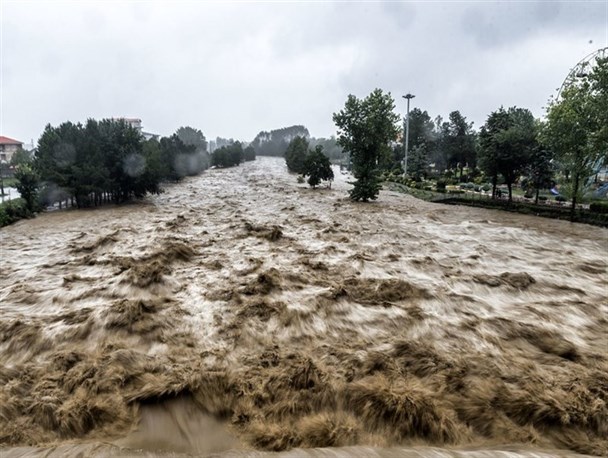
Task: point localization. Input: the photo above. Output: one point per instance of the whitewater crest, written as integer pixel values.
(241, 313)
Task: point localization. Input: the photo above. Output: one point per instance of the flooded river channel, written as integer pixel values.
(240, 313)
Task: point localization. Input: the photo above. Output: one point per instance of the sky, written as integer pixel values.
(234, 68)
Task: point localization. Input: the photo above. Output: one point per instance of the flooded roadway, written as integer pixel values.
(240, 312)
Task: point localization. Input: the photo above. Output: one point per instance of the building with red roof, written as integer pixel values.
(8, 147)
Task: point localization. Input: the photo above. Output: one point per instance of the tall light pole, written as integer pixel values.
(407, 130)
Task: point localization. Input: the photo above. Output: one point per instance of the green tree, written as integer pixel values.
(330, 147)
(228, 156)
(489, 145)
(365, 129)
(540, 169)
(275, 142)
(577, 128)
(458, 143)
(95, 163)
(193, 137)
(295, 155)
(198, 158)
(508, 141)
(518, 144)
(422, 140)
(249, 153)
(21, 156)
(317, 167)
(27, 185)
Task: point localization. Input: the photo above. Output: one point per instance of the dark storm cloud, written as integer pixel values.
(232, 69)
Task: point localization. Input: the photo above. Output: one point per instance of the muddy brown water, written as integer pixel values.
(240, 313)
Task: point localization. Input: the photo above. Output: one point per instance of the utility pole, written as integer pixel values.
(407, 130)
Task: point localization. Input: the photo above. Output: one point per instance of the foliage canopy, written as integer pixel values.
(365, 129)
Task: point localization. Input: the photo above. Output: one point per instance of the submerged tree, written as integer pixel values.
(365, 129)
(317, 167)
(295, 156)
(228, 156)
(249, 153)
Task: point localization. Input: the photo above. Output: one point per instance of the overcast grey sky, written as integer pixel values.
(235, 68)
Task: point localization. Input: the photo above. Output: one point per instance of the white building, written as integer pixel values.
(8, 147)
(136, 124)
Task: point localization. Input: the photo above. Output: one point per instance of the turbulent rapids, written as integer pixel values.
(240, 313)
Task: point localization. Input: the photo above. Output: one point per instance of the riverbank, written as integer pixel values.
(554, 210)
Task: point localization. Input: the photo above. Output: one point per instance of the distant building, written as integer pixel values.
(135, 123)
(8, 147)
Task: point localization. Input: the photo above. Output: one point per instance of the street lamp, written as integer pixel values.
(407, 130)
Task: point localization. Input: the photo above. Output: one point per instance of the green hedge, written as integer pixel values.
(13, 210)
(599, 207)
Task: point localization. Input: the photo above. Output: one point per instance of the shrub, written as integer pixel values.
(441, 184)
(560, 199)
(542, 198)
(599, 207)
(486, 187)
(13, 211)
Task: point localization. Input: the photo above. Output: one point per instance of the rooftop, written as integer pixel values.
(9, 141)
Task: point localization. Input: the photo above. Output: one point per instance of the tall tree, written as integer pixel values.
(194, 137)
(540, 168)
(197, 159)
(275, 142)
(458, 142)
(365, 129)
(490, 145)
(295, 156)
(518, 143)
(508, 140)
(27, 185)
(577, 127)
(422, 139)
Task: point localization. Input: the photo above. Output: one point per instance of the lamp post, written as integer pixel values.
(407, 130)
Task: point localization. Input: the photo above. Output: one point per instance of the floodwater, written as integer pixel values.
(240, 313)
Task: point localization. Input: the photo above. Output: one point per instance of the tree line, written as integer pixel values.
(106, 161)
(232, 155)
(568, 146)
(275, 142)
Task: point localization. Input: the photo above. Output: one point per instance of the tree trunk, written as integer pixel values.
(537, 193)
(509, 185)
(574, 194)
(494, 181)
